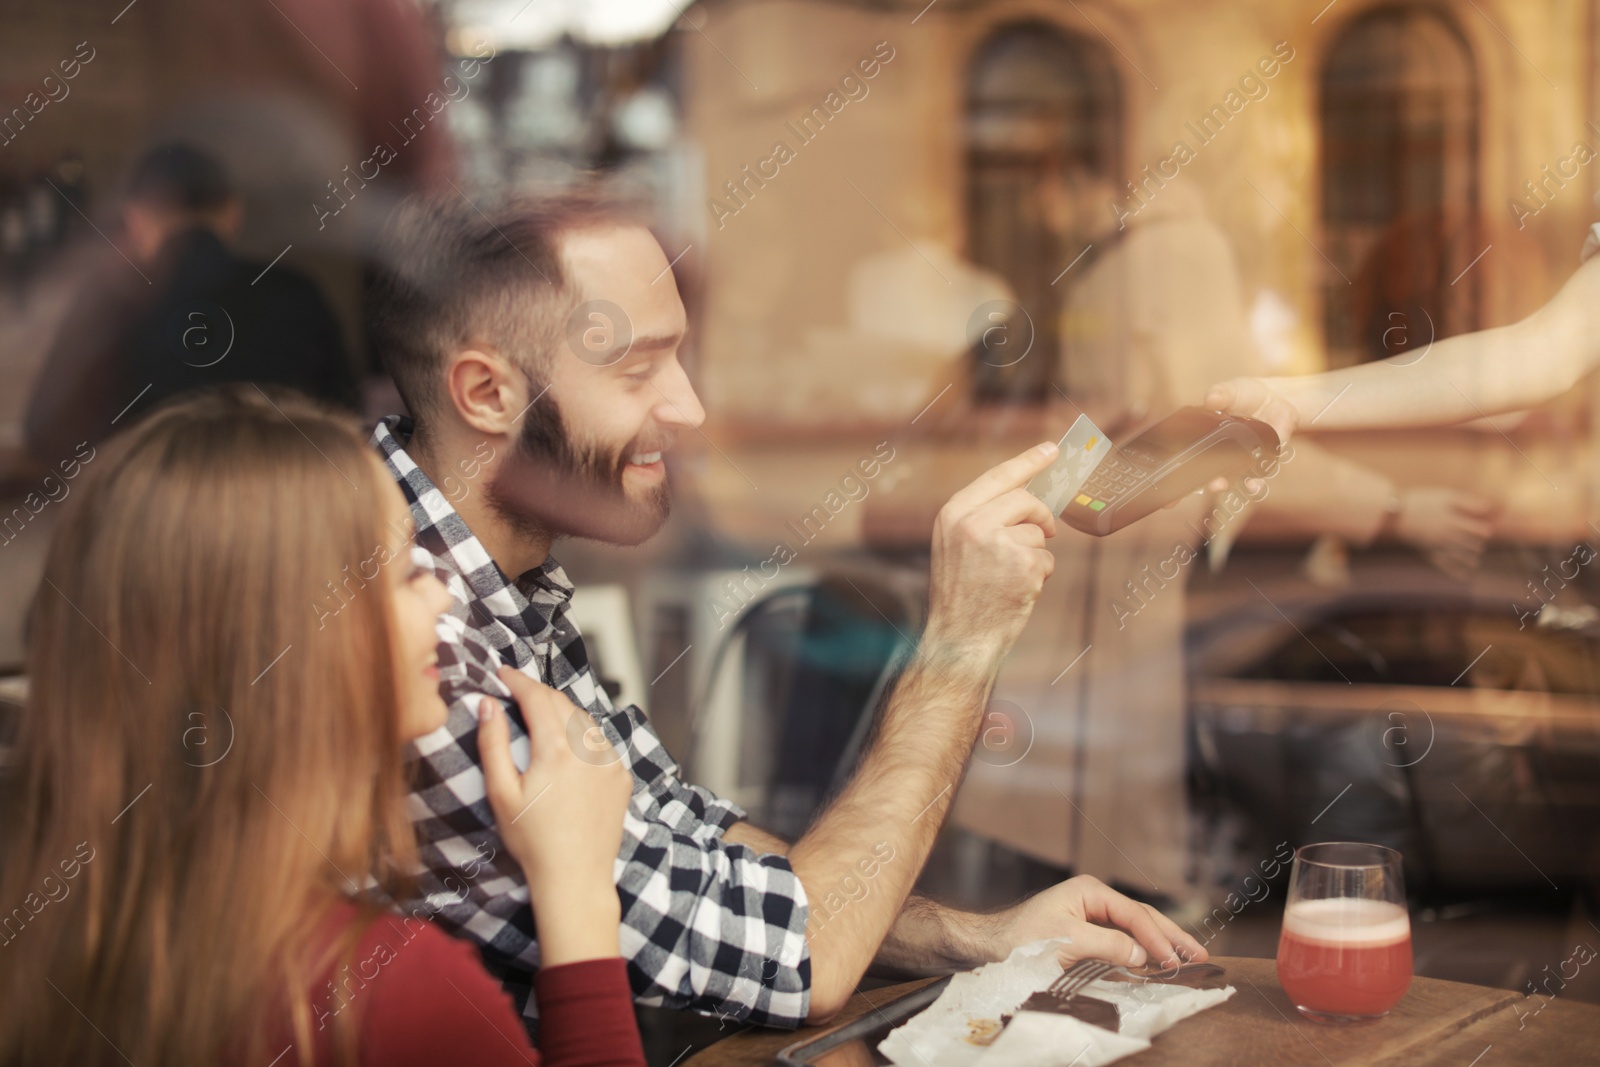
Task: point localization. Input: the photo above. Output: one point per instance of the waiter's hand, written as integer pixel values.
(1252, 398)
(1255, 398)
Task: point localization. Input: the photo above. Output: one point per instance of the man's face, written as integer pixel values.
(590, 458)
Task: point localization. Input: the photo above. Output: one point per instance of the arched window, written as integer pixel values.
(1041, 102)
(1399, 121)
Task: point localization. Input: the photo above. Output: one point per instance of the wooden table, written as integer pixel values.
(1437, 1023)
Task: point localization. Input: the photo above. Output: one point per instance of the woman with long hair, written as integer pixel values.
(232, 643)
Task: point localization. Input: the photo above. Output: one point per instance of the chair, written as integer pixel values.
(805, 668)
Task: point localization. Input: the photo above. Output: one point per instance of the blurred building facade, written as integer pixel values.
(1320, 136)
(1384, 173)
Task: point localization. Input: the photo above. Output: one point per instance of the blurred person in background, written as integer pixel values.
(1158, 313)
(209, 784)
(1152, 312)
(191, 314)
(536, 345)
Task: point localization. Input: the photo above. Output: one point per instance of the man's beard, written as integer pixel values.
(551, 486)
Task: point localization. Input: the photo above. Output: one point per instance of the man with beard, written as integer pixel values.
(544, 336)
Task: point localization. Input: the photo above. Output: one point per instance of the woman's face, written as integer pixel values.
(416, 599)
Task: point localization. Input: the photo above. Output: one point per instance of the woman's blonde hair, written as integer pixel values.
(210, 757)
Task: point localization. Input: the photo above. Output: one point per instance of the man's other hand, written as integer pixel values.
(1101, 923)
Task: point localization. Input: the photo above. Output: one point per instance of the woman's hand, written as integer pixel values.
(561, 818)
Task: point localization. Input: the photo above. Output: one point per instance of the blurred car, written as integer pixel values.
(1408, 710)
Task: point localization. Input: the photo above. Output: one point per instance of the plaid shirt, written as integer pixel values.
(706, 925)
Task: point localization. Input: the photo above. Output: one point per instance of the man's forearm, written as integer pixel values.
(891, 810)
(930, 938)
(927, 937)
(857, 863)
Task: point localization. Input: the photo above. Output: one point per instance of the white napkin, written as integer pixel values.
(942, 1035)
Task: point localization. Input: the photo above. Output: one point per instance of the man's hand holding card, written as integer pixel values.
(1082, 448)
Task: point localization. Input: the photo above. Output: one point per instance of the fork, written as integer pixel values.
(1081, 973)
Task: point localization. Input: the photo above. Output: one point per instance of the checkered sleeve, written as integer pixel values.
(706, 925)
(689, 809)
(713, 927)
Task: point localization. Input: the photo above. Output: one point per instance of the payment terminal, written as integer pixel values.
(1183, 452)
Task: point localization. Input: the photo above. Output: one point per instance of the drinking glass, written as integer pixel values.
(1345, 950)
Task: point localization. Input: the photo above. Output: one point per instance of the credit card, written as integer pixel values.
(1082, 448)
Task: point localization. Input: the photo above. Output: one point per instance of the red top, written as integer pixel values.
(421, 997)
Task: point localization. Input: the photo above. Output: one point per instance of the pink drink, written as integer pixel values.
(1345, 955)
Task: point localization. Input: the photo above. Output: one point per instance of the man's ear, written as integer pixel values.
(486, 390)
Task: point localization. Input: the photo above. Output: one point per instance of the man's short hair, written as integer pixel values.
(180, 177)
(453, 272)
